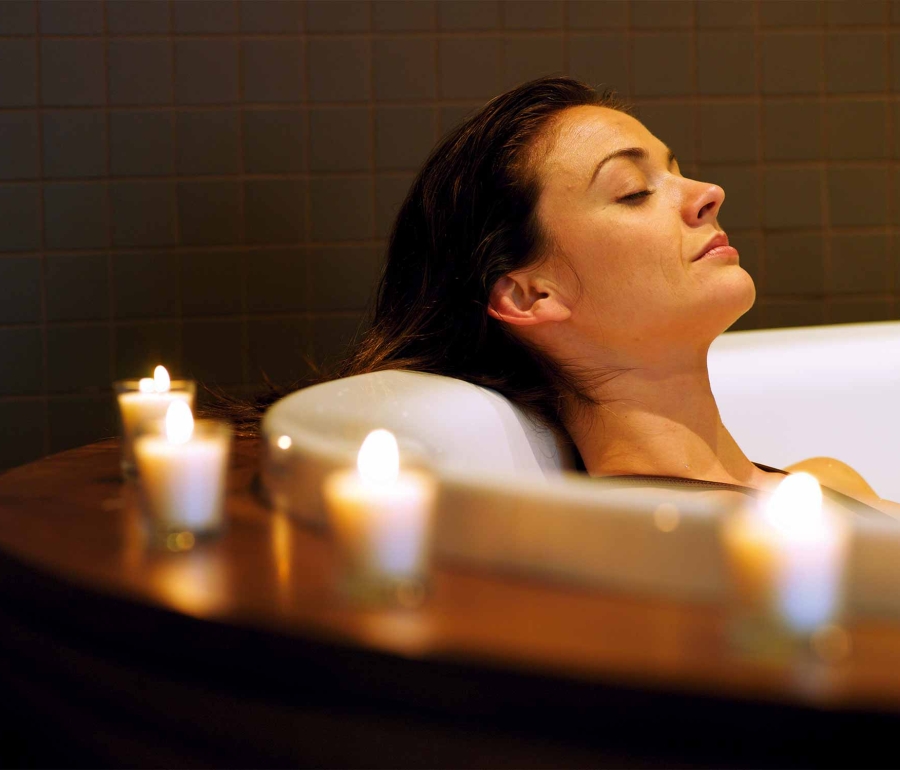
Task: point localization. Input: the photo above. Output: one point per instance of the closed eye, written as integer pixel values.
(636, 197)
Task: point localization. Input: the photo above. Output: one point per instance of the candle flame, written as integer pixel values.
(147, 385)
(161, 380)
(795, 508)
(379, 458)
(179, 423)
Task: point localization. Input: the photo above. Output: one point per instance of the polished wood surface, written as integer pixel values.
(72, 550)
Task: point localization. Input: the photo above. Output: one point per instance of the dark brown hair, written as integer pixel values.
(468, 219)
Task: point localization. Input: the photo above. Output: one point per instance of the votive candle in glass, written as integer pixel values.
(146, 400)
(182, 470)
(382, 521)
(788, 564)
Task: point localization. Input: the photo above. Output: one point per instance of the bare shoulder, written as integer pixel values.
(843, 478)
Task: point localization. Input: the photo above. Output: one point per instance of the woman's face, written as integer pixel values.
(620, 213)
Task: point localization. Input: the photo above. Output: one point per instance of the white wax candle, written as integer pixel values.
(183, 478)
(382, 517)
(790, 557)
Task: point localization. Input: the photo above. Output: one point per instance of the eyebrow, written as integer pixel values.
(634, 153)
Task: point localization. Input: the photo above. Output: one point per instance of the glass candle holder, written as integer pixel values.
(138, 406)
(182, 483)
(382, 535)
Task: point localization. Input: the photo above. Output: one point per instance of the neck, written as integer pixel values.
(659, 419)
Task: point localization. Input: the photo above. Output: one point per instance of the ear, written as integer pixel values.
(523, 301)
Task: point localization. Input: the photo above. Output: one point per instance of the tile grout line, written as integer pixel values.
(42, 217)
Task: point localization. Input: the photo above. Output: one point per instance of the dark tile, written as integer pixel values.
(340, 139)
(895, 107)
(857, 12)
(785, 314)
(752, 319)
(79, 420)
(855, 62)
(21, 427)
(212, 351)
(274, 141)
(140, 72)
(792, 63)
(277, 281)
(404, 136)
(792, 130)
(527, 58)
(136, 17)
(78, 358)
(21, 361)
(74, 143)
(859, 311)
(795, 263)
(207, 142)
(339, 70)
(328, 16)
(19, 148)
(272, 70)
(341, 209)
(20, 204)
(277, 349)
(75, 215)
(726, 63)
(469, 67)
(211, 283)
(206, 71)
(790, 13)
(20, 290)
(404, 15)
(724, 14)
(793, 197)
(63, 17)
(858, 196)
(655, 14)
(17, 17)
(895, 197)
(140, 143)
(209, 212)
(77, 287)
(146, 285)
(72, 73)
(860, 264)
(272, 16)
(143, 213)
(465, 15)
(404, 68)
(18, 56)
(344, 277)
(274, 211)
(141, 347)
(333, 335)
(662, 64)
(728, 132)
(390, 192)
(895, 11)
(600, 60)
(741, 185)
(856, 130)
(532, 14)
(451, 116)
(673, 123)
(597, 14)
(208, 17)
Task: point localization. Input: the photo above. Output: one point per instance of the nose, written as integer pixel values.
(702, 202)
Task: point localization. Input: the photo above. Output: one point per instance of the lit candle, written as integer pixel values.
(146, 400)
(788, 558)
(182, 467)
(382, 521)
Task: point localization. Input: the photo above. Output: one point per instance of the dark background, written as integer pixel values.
(208, 183)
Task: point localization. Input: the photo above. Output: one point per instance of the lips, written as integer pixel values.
(718, 241)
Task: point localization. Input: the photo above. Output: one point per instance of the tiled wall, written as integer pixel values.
(209, 183)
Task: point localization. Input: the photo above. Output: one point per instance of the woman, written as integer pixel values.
(550, 249)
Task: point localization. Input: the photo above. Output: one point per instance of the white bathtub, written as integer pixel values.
(509, 499)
